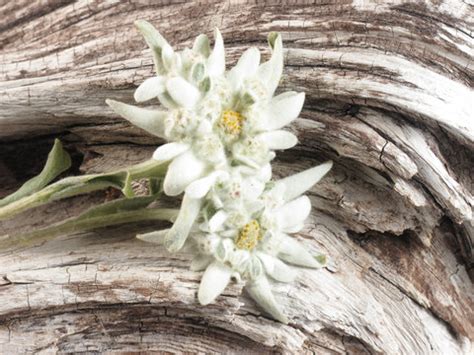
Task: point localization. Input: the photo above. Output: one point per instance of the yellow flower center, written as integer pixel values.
(249, 236)
(231, 122)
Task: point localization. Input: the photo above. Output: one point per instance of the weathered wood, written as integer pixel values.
(389, 98)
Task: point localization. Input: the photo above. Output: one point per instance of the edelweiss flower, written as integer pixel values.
(247, 237)
(216, 119)
(223, 128)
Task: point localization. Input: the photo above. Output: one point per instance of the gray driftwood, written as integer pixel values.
(389, 99)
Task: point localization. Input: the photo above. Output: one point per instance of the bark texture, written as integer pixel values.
(389, 99)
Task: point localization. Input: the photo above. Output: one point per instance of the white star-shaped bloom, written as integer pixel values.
(222, 130)
(248, 238)
(215, 119)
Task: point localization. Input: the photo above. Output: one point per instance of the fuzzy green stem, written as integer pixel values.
(75, 225)
(78, 185)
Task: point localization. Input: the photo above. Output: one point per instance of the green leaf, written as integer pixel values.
(127, 187)
(78, 185)
(155, 185)
(117, 206)
(116, 212)
(58, 161)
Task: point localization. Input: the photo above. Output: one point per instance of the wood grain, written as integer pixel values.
(389, 99)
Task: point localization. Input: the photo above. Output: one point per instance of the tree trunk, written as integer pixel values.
(389, 99)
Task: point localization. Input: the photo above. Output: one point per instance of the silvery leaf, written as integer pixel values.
(177, 235)
(214, 281)
(298, 184)
(57, 162)
(261, 293)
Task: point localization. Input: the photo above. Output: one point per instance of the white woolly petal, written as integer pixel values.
(294, 228)
(182, 92)
(261, 292)
(265, 174)
(200, 262)
(216, 60)
(205, 127)
(169, 151)
(156, 237)
(149, 89)
(278, 139)
(298, 184)
(246, 160)
(245, 67)
(214, 281)
(169, 58)
(294, 212)
(201, 45)
(295, 253)
(251, 188)
(148, 120)
(229, 233)
(217, 221)
(182, 171)
(283, 109)
(154, 40)
(167, 101)
(245, 170)
(277, 269)
(199, 188)
(248, 62)
(270, 72)
(178, 233)
(255, 205)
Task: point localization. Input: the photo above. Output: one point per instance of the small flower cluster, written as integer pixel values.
(223, 128)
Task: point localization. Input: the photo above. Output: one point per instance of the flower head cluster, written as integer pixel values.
(223, 128)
